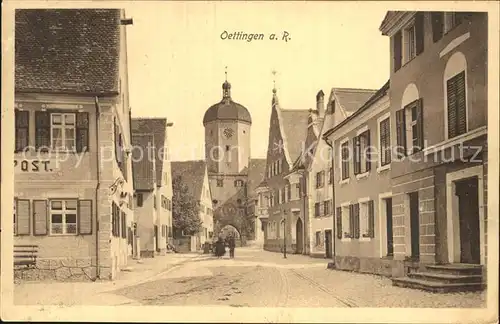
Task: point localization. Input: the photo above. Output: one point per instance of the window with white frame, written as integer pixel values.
(346, 222)
(384, 142)
(320, 179)
(63, 217)
(410, 43)
(318, 238)
(220, 183)
(62, 131)
(238, 183)
(363, 219)
(453, 19)
(409, 128)
(361, 158)
(317, 209)
(411, 121)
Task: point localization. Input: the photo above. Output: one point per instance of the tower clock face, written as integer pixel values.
(228, 132)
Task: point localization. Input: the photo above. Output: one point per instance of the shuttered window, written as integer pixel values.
(397, 50)
(419, 32)
(437, 19)
(85, 219)
(345, 160)
(115, 219)
(82, 132)
(63, 217)
(330, 176)
(371, 219)
(326, 207)
(401, 133)
(457, 116)
(357, 155)
(42, 130)
(23, 211)
(362, 153)
(385, 142)
(354, 218)
(40, 218)
(123, 225)
(339, 222)
(22, 130)
(317, 209)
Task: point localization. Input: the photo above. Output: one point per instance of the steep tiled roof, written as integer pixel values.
(256, 172)
(67, 50)
(294, 123)
(144, 167)
(192, 174)
(351, 99)
(158, 127)
(371, 100)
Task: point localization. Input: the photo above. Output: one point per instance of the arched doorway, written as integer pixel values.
(299, 230)
(230, 230)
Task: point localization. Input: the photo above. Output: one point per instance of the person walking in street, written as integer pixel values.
(220, 249)
(232, 246)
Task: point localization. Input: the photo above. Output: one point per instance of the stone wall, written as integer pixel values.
(67, 269)
(384, 267)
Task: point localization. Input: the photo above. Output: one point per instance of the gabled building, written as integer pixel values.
(194, 174)
(438, 95)
(363, 229)
(286, 219)
(73, 174)
(341, 104)
(153, 184)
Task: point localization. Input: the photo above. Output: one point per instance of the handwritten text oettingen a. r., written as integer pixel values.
(284, 36)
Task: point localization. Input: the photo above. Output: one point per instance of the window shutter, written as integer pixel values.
(22, 130)
(420, 124)
(82, 132)
(356, 220)
(85, 217)
(339, 222)
(419, 32)
(367, 148)
(461, 104)
(40, 217)
(401, 132)
(397, 50)
(356, 160)
(452, 113)
(42, 130)
(437, 25)
(371, 219)
(124, 225)
(23, 216)
(351, 221)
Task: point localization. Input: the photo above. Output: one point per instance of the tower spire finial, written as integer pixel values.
(274, 80)
(226, 88)
(226, 72)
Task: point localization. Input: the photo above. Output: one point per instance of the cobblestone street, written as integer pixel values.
(254, 278)
(260, 279)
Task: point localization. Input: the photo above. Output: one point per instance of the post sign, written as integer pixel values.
(33, 166)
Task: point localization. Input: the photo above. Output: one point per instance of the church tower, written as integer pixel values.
(227, 145)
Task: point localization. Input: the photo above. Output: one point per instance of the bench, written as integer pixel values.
(25, 255)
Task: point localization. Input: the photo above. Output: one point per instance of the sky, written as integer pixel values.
(177, 60)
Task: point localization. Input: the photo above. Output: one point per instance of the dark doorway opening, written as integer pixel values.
(390, 235)
(328, 244)
(468, 214)
(414, 226)
(299, 234)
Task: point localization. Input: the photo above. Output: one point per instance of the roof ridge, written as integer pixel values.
(354, 89)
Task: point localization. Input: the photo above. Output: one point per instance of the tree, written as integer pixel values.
(185, 209)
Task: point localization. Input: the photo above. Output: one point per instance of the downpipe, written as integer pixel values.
(98, 168)
(334, 231)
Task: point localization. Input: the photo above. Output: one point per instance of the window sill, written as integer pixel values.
(384, 168)
(63, 235)
(362, 175)
(345, 239)
(365, 239)
(345, 181)
(456, 140)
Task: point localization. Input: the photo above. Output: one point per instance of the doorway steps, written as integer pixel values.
(455, 277)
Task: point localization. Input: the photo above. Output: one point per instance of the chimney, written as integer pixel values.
(320, 103)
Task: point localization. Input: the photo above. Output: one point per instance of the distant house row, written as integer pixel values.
(390, 179)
